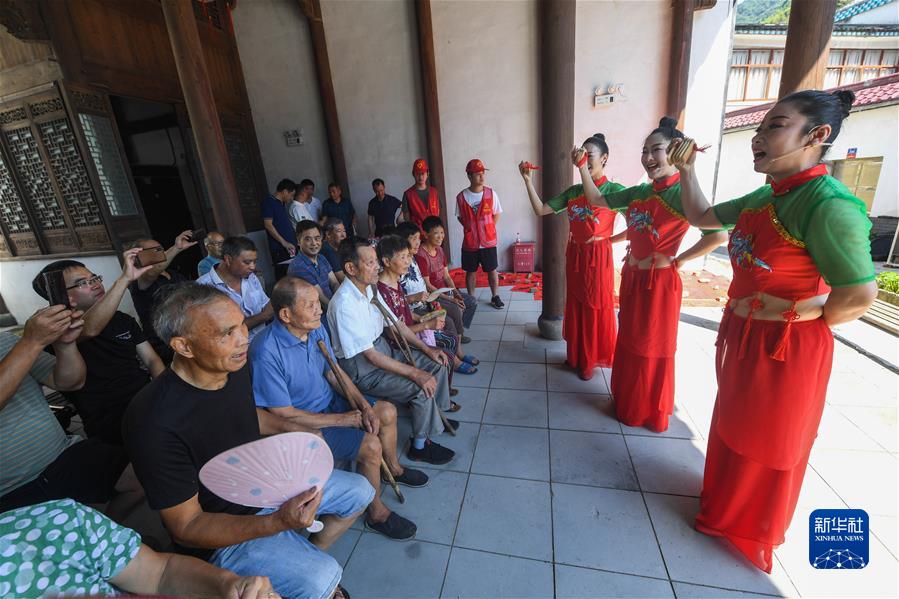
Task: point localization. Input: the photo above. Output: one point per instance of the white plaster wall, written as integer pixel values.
(706, 97)
(487, 77)
(373, 49)
(864, 129)
(873, 132)
(22, 301)
(279, 68)
(888, 14)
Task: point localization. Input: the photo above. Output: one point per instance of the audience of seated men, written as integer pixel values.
(292, 379)
(310, 265)
(383, 209)
(213, 245)
(118, 357)
(98, 557)
(38, 461)
(149, 288)
(236, 277)
(334, 233)
(203, 405)
(378, 369)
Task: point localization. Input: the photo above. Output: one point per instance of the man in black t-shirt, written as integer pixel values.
(150, 286)
(204, 405)
(119, 359)
(383, 210)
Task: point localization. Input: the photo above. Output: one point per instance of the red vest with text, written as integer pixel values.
(480, 230)
(418, 212)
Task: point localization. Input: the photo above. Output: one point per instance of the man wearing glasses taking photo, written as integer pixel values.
(118, 357)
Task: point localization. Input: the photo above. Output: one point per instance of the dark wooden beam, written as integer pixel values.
(557, 55)
(313, 11)
(808, 43)
(431, 105)
(679, 67)
(205, 124)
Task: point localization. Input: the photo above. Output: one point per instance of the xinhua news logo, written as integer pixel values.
(838, 539)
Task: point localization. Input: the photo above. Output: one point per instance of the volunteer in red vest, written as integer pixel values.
(478, 209)
(421, 200)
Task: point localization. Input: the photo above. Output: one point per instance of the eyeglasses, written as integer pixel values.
(215, 243)
(86, 282)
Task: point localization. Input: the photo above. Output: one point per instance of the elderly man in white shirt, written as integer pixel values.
(236, 276)
(378, 369)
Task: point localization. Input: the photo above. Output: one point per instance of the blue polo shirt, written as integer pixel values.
(290, 372)
(314, 273)
(272, 209)
(331, 255)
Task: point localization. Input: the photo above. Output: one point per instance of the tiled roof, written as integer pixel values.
(839, 30)
(858, 8)
(874, 91)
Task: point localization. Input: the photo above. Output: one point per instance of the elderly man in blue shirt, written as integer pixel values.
(292, 379)
(236, 276)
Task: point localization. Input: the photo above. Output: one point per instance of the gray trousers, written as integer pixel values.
(400, 390)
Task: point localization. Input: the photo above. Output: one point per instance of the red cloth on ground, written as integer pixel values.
(589, 326)
(643, 370)
(764, 424)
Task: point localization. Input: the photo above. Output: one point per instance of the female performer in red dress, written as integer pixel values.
(589, 326)
(802, 263)
(651, 288)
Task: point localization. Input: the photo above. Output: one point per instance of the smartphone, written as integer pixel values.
(198, 235)
(149, 257)
(55, 284)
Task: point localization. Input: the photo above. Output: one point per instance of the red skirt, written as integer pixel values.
(589, 326)
(643, 369)
(763, 427)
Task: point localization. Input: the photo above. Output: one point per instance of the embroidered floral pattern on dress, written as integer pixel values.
(641, 221)
(741, 251)
(582, 214)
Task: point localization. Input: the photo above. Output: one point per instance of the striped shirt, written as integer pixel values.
(30, 436)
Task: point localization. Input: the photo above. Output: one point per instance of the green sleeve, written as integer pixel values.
(728, 212)
(837, 238)
(621, 199)
(560, 202)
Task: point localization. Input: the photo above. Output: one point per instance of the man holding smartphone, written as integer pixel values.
(119, 359)
(144, 290)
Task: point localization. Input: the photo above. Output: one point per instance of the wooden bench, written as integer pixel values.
(883, 315)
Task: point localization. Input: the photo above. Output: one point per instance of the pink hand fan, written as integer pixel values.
(268, 472)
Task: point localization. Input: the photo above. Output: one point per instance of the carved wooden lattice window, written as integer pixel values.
(49, 204)
(242, 168)
(101, 143)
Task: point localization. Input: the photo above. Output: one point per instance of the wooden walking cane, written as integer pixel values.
(385, 469)
(407, 353)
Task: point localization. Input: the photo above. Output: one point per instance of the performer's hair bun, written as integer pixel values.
(668, 128)
(598, 140)
(668, 122)
(599, 136)
(847, 99)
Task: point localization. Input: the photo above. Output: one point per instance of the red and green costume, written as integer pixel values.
(589, 325)
(793, 240)
(650, 299)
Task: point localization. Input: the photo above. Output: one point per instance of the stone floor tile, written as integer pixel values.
(508, 516)
(381, 568)
(524, 317)
(561, 378)
(599, 459)
(512, 375)
(582, 412)
(478, 574)
(343, 547)
(849, 474)
(435, 507)
(512, 451)
(479, 379)
(672, 466)
(472, 400)
(513, 333)
(516, 408)
(697, 558)
(485, 332)
(578, 583)
(515, 351)
(485, 351)
(591, 525)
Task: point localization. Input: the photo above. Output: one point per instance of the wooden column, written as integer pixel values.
(557, 55)
(433, 136)
(204, 118)
(808, 43)
(312, 9)
(679, 67)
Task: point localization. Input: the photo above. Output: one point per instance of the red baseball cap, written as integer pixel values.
(420, 166)
(475, 166)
